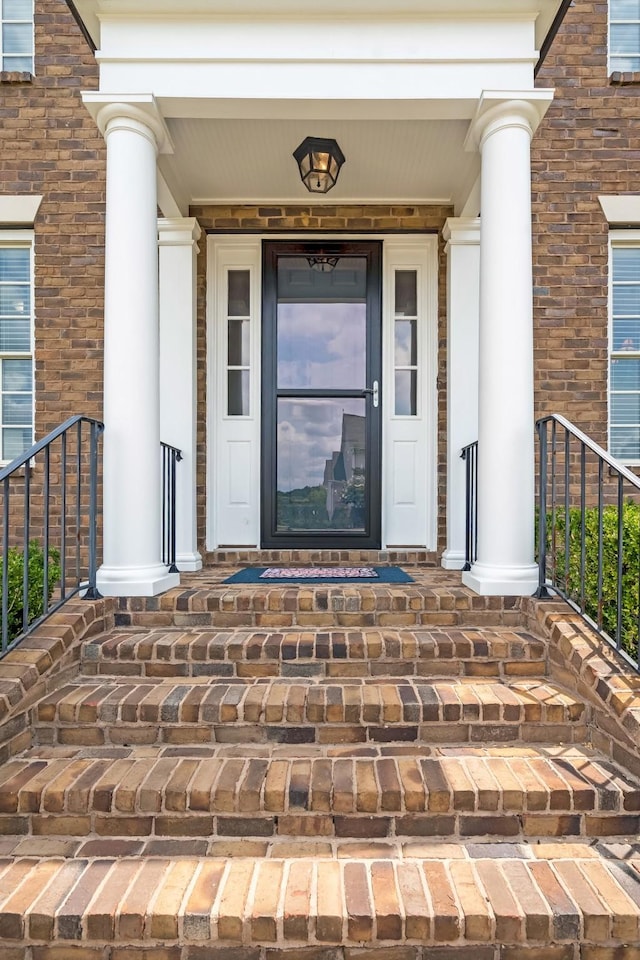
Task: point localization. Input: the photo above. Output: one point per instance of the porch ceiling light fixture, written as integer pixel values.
(319, 161)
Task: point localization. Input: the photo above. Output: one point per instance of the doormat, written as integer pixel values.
(320, 575)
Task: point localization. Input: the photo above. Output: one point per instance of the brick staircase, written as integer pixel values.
(329, 791)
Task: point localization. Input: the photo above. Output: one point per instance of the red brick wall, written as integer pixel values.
(49, 145)
(587, 145)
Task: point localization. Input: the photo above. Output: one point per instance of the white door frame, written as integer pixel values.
(409, 479)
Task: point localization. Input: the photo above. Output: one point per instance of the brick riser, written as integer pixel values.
(325, 558)
(317, 654)
(513, 794)
(307, 712)
(269, 606)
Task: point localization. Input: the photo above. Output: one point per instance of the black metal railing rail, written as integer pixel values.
(589, 533)
(49, 510)
(170, 457)
(470, 456)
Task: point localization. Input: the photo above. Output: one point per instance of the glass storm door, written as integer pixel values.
(321, 395)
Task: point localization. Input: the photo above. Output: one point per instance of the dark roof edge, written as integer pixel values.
(78, 19)
(550, 37)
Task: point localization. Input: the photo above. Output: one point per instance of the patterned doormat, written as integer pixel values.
(320, 575)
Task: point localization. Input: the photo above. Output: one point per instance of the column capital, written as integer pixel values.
(137, 112)
(507, 108)
(178, 232)
(461, 231)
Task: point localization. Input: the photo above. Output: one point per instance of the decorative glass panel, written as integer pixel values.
(406, 293)
(239, 332)
(406, 343)
(406, 393)
(239, 284)
(238, 343)
(238, 398)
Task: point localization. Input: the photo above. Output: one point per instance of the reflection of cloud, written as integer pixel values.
(308, 432)
(321, 345)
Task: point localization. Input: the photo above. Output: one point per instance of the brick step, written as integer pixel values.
(457, 793)
(435, 598)
(147, 711)
(492, 652)
(496, 902)
(319, 558)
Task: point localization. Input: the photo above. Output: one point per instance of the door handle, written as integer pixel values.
(374, 392)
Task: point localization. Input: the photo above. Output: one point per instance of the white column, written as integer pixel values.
(462, 236)
(132, 478)
(505, 563)
(178, 241)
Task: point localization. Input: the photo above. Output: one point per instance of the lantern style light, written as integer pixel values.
(319, 161)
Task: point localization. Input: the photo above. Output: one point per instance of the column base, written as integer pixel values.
(452, 560)
(189, 562)
(136, 581)
(508, 581)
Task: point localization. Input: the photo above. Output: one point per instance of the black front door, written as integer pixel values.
(321, 394)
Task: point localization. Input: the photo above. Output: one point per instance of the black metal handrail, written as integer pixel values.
(589, 533)
(170, 457)
(52, 534)
(470, 456)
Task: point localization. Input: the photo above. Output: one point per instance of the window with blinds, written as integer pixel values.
(624, 35)
(624, 369)
(16, 351)
(16, 36)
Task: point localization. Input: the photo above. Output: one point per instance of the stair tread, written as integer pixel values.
(462, 781)
(516, 895)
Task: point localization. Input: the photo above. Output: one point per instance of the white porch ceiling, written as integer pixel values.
(395, 160)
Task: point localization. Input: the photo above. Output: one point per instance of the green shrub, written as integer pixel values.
(15, 567)
(604, 612)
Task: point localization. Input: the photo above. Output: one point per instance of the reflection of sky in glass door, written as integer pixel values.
(321, 345)
(321, 325)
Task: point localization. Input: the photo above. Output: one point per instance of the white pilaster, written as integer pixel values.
(462, 236)
(506, 496)
(131, 473)
(178, 240)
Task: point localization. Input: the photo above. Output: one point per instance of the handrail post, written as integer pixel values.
(542, 593)
(92, 590)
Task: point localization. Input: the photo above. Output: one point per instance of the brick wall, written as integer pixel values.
(49, 145)
(587, 145)
(348, 219)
